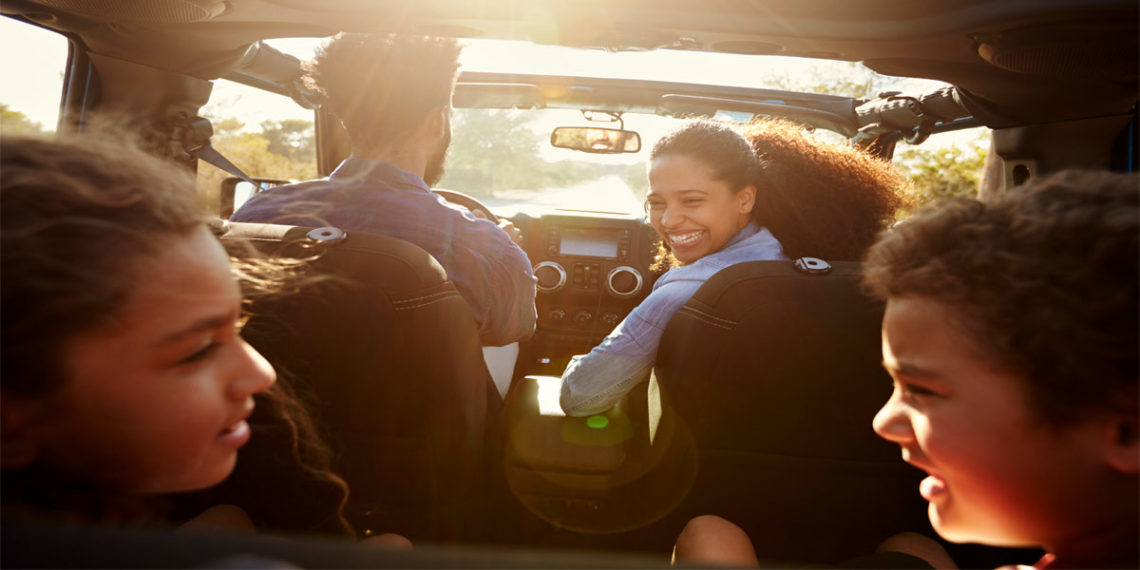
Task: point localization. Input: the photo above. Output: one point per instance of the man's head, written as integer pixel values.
(385, 87)
(1011, 331)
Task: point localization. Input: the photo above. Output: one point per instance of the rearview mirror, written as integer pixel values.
(596, 140)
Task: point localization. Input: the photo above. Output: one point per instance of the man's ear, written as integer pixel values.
(438, 121)
(1121, 442)
(17, 444)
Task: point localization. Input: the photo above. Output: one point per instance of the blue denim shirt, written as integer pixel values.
(592, 383)
(490, 271)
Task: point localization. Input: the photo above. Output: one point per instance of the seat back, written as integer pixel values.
(386, 354)
(776, 372)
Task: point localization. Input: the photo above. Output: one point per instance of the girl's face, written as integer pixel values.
(997, 474)
(695, 213)
(157, 397)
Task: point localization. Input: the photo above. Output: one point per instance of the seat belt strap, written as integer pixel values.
(209, 154)
(191, 135)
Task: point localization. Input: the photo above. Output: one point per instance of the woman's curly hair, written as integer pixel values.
(1044, 278)
(819, 199)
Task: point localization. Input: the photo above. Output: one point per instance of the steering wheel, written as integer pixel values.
(467, 201)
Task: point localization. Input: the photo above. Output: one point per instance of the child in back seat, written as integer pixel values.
(124, 378)
(1011, 332)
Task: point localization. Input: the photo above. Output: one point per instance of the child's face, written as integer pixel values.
(693, 212)
(156, 399)
(997, 474)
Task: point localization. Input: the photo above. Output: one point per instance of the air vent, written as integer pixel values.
(158, 11)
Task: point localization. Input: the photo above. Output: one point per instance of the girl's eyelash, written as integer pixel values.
(208, 350)
(201, 354)
(916, 390)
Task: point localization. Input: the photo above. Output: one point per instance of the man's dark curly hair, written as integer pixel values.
(382, 87)
(820, 199)
(1044, 278)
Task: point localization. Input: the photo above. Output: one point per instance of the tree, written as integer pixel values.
(12, 122)
(292, 138)
(278, 151)
(491, 149)
(946, 171)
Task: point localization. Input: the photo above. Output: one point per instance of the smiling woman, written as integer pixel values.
(718, 198)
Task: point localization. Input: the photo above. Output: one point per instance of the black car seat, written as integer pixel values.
(775, 371)
(387, 355)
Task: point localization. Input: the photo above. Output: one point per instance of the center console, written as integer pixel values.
(592, 270)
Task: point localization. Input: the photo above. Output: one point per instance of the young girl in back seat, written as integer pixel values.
(718, 197)
(124, 377)
(1012, 331)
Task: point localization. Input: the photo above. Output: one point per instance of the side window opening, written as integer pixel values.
(946, 165)
(31, 84)
(265, 134)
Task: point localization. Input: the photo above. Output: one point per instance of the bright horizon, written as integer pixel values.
(38, 69)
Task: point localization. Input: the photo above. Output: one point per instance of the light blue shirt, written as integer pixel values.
(593, 382)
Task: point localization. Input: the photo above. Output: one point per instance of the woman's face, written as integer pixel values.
(695, 213)
(156, 398)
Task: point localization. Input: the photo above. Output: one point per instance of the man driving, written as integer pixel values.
(392, 93)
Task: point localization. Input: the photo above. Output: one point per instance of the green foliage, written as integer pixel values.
(498, 149)
(946, 171)
(277, 151)
(12, 122)
(292, 138)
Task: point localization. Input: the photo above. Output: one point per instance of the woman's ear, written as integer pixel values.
(17, 444)
(747, 198)
(1121, 443)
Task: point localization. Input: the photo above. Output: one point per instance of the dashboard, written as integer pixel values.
(592, 270)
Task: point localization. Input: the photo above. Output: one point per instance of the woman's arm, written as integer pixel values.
(593, 382)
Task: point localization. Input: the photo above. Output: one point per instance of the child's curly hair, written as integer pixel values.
(1044, 278)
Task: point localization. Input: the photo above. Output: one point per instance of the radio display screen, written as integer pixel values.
(589, 243)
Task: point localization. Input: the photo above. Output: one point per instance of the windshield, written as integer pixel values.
(504, 157)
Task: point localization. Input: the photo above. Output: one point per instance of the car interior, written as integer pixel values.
(757, 410)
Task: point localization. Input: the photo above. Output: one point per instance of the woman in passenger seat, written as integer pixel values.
(718, 197)
(124, 377)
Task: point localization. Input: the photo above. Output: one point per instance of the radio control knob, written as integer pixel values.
(556, 315)
(551, 276)
(623, 281)
(610, 318)
(583, 316)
